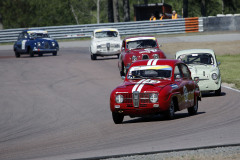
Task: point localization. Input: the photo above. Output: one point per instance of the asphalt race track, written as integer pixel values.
(57, 107)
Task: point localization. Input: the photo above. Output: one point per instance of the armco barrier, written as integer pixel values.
(166, 26)
(222, 23)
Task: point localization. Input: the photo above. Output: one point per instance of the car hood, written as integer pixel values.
(202, 71)
(145, 51)
(44, 39)
(107, 40)
(143, 85)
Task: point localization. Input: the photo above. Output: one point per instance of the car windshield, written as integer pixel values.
(146, 43)
(38, 35)
(197, 58)
(150, 72)
(104, 34)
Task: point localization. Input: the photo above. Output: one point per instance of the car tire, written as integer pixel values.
(170, 113)
(193, 110)
(40, 54)
(30, 52)
(17, 54)
(117, 117)
(122, 72)
(54, 53)
(218, 92)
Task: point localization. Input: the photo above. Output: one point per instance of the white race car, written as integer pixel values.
(105, 42)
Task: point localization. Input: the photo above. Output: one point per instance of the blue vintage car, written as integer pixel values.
(33, 41)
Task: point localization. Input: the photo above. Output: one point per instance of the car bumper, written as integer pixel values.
(45, 50)
(209, 85)
(107, 53)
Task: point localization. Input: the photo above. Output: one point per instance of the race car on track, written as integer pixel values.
(34, 41)
(154, 87)
(105, 42)
(204, 68)
(138, 48)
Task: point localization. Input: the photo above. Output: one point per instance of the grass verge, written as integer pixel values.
(230, 69)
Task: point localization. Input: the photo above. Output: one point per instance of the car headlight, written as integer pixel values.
(53, 44)
(154, 97)
(214, 76)
(155, 56)
(119, 98)
(99, 46)
(134, 58)
(38, 44)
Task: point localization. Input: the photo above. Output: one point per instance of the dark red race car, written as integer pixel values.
(155, 86)
(138, 48)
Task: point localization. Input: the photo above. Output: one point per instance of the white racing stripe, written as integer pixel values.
(150, 62)
(154, 62)
(137, 84)
(138, 87)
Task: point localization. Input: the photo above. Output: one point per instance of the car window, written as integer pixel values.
(38, 35)
(185, 71)
(197, 58)
(25, 35)
(150, 72)
(177, 73)
(20, 36)
(147, 43)
(104, 34)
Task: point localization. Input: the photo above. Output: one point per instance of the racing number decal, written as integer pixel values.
(23, 44)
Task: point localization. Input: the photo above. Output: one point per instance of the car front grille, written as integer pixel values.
(136, 99)
(46, 45)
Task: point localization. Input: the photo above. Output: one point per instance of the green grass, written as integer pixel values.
(230, 68)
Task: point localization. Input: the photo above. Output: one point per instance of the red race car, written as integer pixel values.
(155, 86)
(138, 48)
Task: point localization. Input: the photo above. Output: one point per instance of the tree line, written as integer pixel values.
(35, 13)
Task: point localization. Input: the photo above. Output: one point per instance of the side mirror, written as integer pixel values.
(196, 79)
(123, 77)
(160, 45)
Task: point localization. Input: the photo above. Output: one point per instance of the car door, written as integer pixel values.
(178, 80)
(188, 86)
(21, 42)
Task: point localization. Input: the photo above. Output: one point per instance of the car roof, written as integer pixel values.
(190, 51)
(139, 38)
(170, 62)
(105, 29)
(35, 31)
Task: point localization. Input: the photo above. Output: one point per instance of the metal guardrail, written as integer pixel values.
(167, 26)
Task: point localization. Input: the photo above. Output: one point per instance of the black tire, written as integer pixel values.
(118, 55)
(218, 92)
(193, 110)
(17, 54)
(30, 52)
(40, 54)
(93, 57)
(122, 72)
(54, 53)
(117, 117)
(170, 113)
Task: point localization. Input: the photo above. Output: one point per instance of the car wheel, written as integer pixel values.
(40, 54)
(122, 70)
(17, 54)
(218, 92)
(118, 55)
(93, 57)
(193, 110)
(170, 113)
(54, 53)
(30, 52)
(117, 117)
